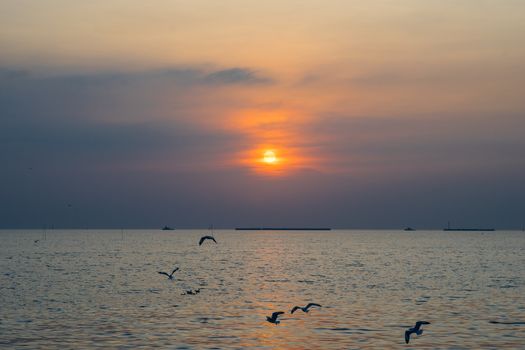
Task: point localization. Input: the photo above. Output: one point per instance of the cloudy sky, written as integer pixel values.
(341, 113)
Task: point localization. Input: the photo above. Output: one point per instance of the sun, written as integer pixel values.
(269, 157)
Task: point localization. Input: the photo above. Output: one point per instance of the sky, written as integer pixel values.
(334, 113)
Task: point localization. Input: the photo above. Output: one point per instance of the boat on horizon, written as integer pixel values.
(468, 229)
(448, 228)
(408, 228)
(283, 228)
(167, 228)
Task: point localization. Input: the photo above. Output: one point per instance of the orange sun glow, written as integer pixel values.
(269, 157)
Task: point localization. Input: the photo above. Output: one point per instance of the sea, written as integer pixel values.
(82, 289)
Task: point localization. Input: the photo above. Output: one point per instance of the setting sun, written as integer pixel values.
(274, 160)
(269, 157)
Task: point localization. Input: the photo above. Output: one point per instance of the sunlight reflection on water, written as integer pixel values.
(100, 288)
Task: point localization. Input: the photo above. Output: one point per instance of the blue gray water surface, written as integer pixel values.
(100, 288)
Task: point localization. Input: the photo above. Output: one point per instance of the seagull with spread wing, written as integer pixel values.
(274, 319)
(205, 238)
(170, 276)
(416, 329)
(304, 309)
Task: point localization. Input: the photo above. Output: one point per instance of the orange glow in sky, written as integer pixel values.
(265, 160)
(331, 91)
(275, 160)
(269, 157)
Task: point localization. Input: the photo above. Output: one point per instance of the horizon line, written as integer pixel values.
(255, 228)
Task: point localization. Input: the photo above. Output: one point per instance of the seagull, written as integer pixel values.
(305, 309)
(416, 329)
(170, 276)
(274, 319)
(192, 292)
(205, 238)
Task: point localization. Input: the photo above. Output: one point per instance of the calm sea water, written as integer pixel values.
(83, 289)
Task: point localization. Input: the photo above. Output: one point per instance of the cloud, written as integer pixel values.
(155, 118)
(187, 95)
(48, 143)
(236, 76)
(7, 74)
(152, 148)
(401, 146)
(431, 74)
(180, 93)
(177, 76)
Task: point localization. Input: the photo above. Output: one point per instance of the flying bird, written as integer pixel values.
(274, 319)
(305, 309)
(170, 276)
(416, 329)
(192, 292)
(205, 238)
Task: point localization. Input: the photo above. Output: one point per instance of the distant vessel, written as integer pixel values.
(448, 228)
(468, 229)
(167, 228)
(409, 229)
(283, 228)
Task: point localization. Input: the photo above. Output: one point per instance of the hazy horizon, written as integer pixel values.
(269, 229)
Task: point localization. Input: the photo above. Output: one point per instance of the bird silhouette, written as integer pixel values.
(192, 292)
(205, 238)
(416, 329)
(305, 309)
(170, 276)
(274, 319)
